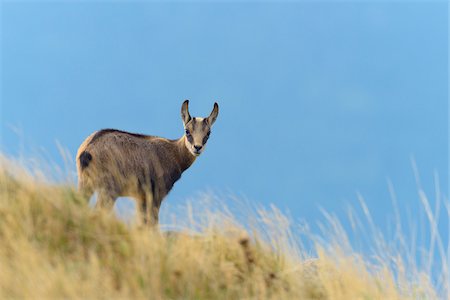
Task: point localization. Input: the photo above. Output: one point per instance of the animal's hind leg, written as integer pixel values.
(85, 190)
(105, 199)
(143, 208)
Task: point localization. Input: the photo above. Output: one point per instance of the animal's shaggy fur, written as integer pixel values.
(117, 163)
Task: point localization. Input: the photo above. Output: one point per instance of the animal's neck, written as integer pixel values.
(185, 156)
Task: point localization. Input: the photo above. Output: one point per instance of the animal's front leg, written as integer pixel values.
(143, 205)
(154, 215)
(149, 210)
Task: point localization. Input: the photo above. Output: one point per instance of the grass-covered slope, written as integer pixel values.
(53, 245)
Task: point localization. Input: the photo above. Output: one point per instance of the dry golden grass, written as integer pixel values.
(53, 245)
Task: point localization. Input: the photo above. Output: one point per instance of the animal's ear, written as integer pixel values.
(185, 116)
(213, 116)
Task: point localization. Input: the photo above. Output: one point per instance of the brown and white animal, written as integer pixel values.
(116, 163)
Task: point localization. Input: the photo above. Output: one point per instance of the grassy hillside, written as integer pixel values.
(54, 246)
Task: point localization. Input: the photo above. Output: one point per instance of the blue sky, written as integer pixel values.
(318, 101)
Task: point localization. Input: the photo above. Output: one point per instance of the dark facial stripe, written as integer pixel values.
(205, 139)
(190, 138)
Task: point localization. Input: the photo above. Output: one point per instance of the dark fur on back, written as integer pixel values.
(85, 158)
(102, 132)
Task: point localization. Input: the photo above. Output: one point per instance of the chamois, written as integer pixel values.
(116, 163)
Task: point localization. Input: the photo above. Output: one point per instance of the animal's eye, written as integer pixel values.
(188, 132)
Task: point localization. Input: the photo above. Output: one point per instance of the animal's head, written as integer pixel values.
(197, 130)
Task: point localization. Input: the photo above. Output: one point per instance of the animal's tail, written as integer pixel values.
(85, 158)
